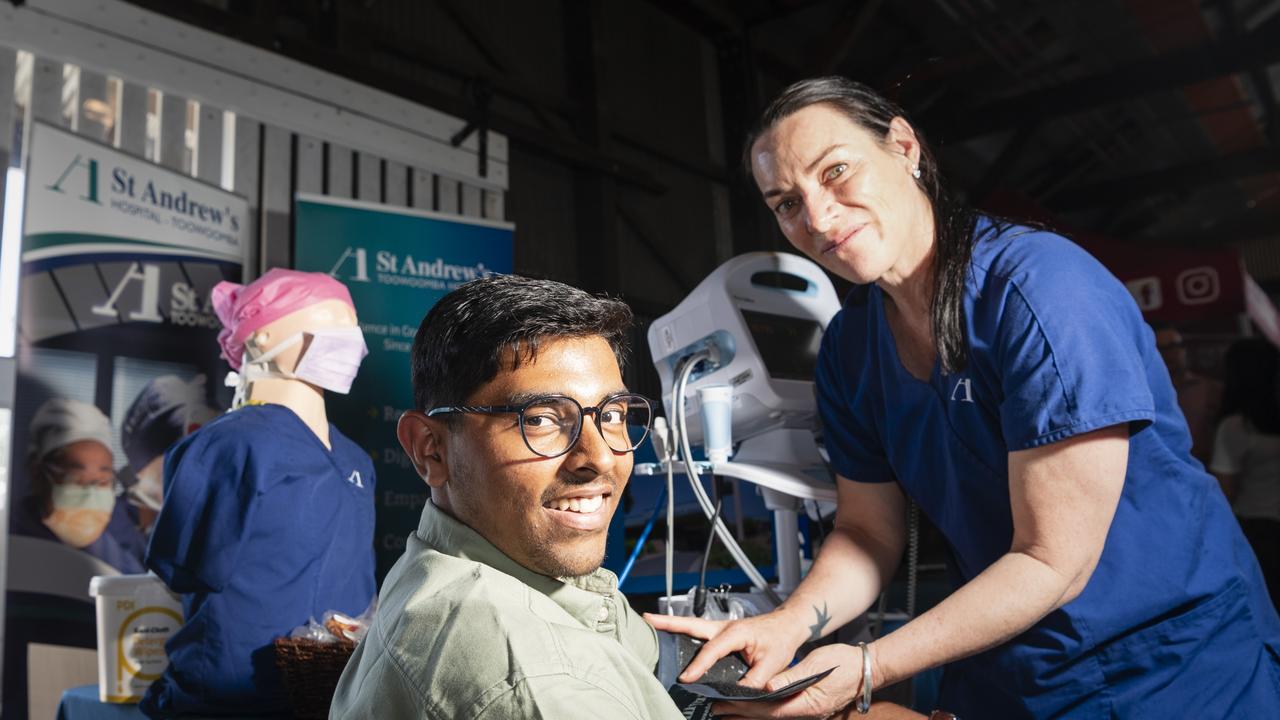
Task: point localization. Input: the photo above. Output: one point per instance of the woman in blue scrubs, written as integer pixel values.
(1002, 379)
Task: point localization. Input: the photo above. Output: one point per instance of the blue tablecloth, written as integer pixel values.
(81, 703)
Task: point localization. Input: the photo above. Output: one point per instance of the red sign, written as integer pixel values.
(1177, 285)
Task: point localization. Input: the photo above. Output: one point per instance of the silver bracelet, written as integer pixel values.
(863, 704)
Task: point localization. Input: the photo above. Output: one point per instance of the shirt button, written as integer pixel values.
(604, 613)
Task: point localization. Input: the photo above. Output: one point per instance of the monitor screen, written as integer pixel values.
(788, 345)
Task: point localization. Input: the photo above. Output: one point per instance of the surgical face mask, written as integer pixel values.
(148, 491)
(331, 361)
(80, 513)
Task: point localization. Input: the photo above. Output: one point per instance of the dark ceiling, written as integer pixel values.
(1135, 119)
(1139, 121)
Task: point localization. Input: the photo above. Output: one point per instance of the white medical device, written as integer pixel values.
(761, 318)
(756, 324)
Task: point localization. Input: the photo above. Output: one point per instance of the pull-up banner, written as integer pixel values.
(396, 262)
(116, 337)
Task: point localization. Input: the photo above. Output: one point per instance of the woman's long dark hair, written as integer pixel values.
(953, 222)
(1249, 382)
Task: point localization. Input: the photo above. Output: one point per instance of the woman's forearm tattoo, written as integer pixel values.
(815, 630)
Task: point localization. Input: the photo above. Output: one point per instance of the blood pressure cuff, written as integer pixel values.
(675, 652)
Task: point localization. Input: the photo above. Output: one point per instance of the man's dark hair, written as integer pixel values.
(464, 340)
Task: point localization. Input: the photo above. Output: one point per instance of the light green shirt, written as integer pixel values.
(463, 631)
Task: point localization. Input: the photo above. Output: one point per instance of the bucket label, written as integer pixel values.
(140, 656)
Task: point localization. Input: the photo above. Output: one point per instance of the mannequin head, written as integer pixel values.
(322, 315)
(244, 310)
(291, 335)
(293, 360)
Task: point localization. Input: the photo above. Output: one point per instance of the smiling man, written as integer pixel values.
(524, 432)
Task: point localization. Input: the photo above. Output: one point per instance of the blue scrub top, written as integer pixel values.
(262, 528)
(1175, 620)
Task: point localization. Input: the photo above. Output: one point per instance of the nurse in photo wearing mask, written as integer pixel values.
(268, 514)
(73, 490)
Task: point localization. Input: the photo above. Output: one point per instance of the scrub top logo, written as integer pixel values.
(962, 392)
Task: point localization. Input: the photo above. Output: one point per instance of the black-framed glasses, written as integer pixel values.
(550, 425)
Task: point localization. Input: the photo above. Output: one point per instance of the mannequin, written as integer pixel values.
(303, 398)
(268, 511)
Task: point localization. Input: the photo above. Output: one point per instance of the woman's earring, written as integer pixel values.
(915, 172)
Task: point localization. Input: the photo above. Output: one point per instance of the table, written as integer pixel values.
(81, 703)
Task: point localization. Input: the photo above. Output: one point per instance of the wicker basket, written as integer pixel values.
(311, 670)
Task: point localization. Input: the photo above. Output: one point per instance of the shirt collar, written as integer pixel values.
(582, 596)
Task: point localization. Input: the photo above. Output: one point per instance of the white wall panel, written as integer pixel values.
(447, 195)
(339, 171)
(173, 132)
(308, 165)
(117, 37)
(424, 189)
(495, 205)
(46, 91)
(395, 184)
(245, 183)
(209, 144)
(90, 122)
(277, 199)
(133, 118)
(471, 201)
(297, 129)
(369, 178)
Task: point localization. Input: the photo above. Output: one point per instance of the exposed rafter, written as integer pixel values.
(356, 65)
(1248, 227)
(1124, 83)
(1252, 163)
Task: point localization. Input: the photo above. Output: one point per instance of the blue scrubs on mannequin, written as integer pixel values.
(262, 528)
(1175, 621)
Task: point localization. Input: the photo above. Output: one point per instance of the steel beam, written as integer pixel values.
(1251, 163)
(1172, 70)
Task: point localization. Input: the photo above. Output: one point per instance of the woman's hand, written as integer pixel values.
(766, 642)
(823, 699)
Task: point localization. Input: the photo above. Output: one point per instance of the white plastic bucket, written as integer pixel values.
(136, 615)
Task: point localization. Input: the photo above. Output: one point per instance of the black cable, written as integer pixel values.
(700, 594)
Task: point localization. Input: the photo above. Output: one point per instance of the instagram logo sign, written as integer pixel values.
(1198, 285)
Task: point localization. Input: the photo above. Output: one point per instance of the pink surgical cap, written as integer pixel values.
(243, 309)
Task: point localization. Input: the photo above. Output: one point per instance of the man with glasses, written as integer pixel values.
(499, 608)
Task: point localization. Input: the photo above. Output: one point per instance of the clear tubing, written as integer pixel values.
(671, 524)
(695, 483)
